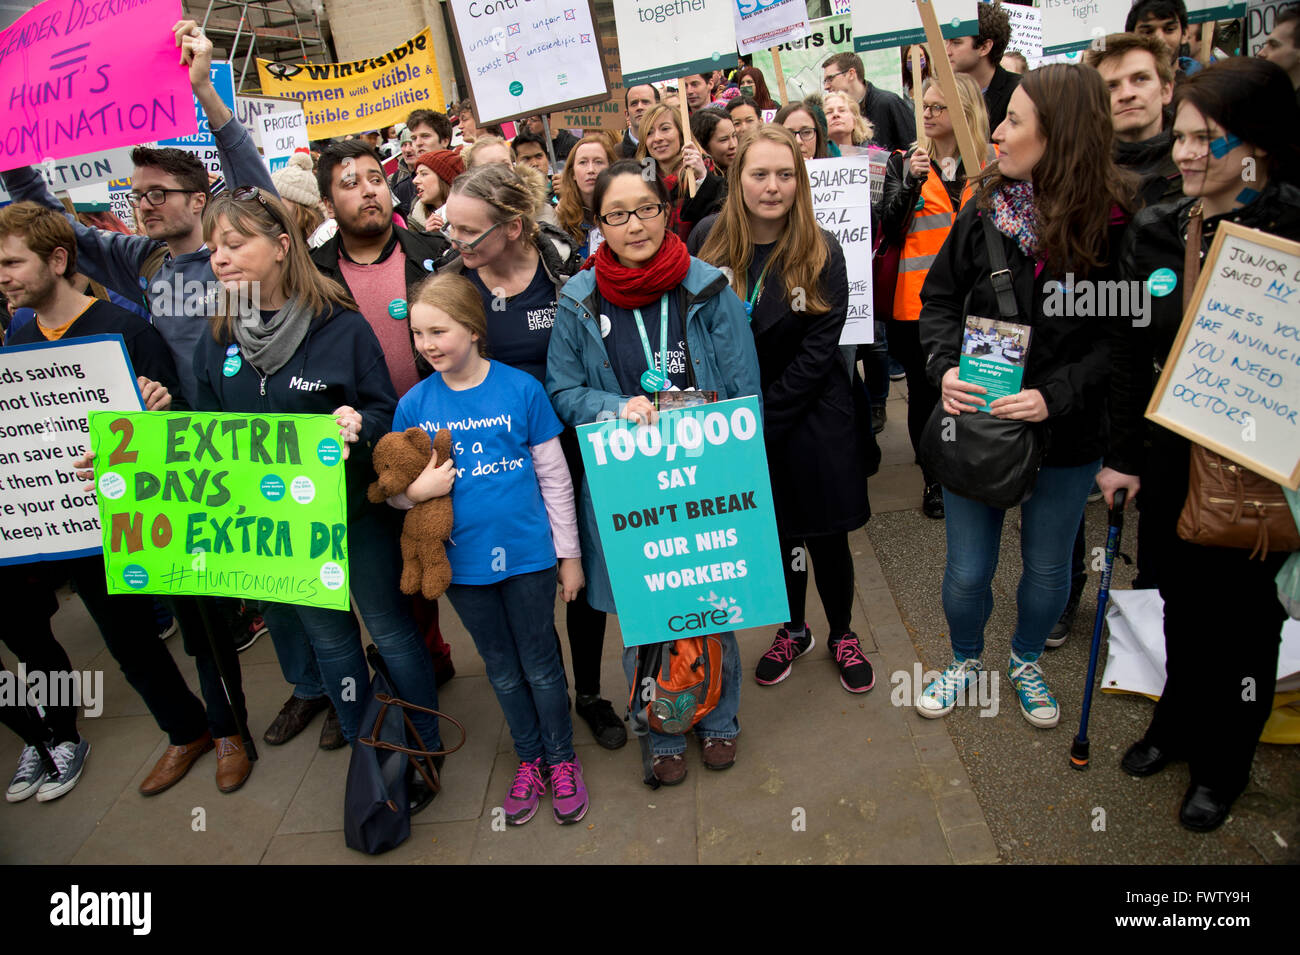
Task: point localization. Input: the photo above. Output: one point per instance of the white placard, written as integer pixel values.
(667, 39)
(841, 190)
(1200, 11)
(1071, 25)
(522, 59)
(61, 174)
(761, 24)
(879, 25)
(249, 109)
(1232, 379)
(282, 133)
(46, 393)
(1026, 32)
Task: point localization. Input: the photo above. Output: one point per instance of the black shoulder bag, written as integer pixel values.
(975, 455)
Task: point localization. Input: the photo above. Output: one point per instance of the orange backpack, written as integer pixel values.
(678, 683)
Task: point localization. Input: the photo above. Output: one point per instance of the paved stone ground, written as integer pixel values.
(822, 776)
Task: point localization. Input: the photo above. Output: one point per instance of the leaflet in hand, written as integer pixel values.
(993, 356)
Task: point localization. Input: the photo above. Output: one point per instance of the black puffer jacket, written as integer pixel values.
(1069, 356)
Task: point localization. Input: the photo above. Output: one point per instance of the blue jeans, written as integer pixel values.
(513, 626)
(297, 658)
(1049, 521)
(375, 566)
(721, 723)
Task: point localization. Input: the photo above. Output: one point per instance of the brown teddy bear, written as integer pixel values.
(399, 458)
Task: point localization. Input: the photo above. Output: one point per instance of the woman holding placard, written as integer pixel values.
(661, 141)
(309, 331)
(1048, 214)
(1235, 115)
(791, 276)
(603, 362)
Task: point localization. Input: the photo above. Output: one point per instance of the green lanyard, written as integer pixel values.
(654, 379)
(758, 290)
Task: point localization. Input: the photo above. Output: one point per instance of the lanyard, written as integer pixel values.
(758, 290)
(663, 335)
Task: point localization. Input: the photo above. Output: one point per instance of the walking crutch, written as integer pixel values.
(1079, 748)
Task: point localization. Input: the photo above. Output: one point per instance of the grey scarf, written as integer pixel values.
(269, 345)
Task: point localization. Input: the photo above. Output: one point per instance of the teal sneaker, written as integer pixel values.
(941, 696)
(1036, 701)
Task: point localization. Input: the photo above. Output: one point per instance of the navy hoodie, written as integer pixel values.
(338, 363)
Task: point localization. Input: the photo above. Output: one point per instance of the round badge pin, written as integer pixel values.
(397, 309)
(232, 350)
(605, 326)
(428, 265)
(652, 380)
(1161, 282)
(230, 368)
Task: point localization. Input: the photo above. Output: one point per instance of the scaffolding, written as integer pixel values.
(275, 30)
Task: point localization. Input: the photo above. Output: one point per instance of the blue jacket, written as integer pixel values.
(583, 389)
(118, 262)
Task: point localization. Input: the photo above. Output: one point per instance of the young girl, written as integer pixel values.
(793, 277)
(514, 515)
(595, 368)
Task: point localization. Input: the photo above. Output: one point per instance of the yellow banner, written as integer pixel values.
(342, 98)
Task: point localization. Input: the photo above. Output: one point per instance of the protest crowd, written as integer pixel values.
(441, 275)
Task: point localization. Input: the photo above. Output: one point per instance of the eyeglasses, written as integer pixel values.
(934, 108)
(621, 216)
(830, 76)
(807, 134)
(156, 197)
(245, 193)
(462, 246)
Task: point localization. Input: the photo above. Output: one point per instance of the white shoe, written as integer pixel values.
(939, 698)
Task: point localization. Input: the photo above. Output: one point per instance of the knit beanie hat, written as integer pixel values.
(295, 181)
(443, 163)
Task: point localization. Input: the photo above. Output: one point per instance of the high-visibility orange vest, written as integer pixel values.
(929, 227)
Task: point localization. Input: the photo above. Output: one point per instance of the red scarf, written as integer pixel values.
(632, 288)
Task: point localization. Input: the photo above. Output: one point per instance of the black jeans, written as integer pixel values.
(905, 346)
(27, 634)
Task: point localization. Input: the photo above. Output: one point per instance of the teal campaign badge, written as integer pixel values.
(329, 452)
(272, 487)
(135, 576)
(230, 368)
(397, 309)
(653, 381)
(1161, 282)
(516, 88)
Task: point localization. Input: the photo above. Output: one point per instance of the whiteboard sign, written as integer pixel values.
(1232, 379)
(880, 25)
(668, 40)
(1070, 25)
(841, 190)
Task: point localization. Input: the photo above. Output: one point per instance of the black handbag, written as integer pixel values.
(975, 455)
(376, 807)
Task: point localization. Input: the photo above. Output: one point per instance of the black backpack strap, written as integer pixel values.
(649, 658)
(1001, 274)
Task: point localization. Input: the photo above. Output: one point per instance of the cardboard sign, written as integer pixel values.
(1261, 16)
(1232, 380)
(342, 98)
(282, 133)
(1026, 32)
(761, 24)
(223, 505)
(250, 109)
(78, 77)
(46, 391)
(667, 39)
(684, 510)
(841, 190)
(1202, 11)
(801, 60)
(522, 61)
(1069, 26)
(611, 115)
(881, 25)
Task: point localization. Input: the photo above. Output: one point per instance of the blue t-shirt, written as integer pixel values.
(519, 333)
(500, 528)
(627, 352)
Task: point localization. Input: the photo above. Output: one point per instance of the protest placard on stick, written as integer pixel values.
(841, 194)
(881, 25)
(673, 38)
(1231, 381)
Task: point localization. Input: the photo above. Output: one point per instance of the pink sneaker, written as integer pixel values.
(568, 792)
(525, 794)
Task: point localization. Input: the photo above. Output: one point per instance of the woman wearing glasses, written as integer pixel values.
(643, 287)
(808, 124)
(517, 266)
(661, 140)
(924, 190)
(309, 331)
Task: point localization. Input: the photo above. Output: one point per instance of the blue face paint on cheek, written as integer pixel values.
(1223, 145)
(1247, 196)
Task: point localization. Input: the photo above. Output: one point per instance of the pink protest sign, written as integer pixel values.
(78, 76)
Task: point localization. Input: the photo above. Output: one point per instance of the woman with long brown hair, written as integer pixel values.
(792, 278)
(808, 124)
(661, 140)
(753, 84)
(305, 328)
(1055, 204)
(594, 153)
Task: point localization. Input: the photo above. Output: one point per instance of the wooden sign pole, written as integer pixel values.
(688, 174)
(972, 154)
(915, 53)
(1207, 42)
(780, 74)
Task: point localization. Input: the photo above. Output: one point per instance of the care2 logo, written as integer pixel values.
(725, 611)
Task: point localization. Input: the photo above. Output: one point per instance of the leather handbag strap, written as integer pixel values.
(1192, 254)
(1001, 274)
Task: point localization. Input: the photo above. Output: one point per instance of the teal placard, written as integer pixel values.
(684, 511)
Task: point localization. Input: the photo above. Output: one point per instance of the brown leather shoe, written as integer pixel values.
(670, 770)
(718, 753)
(233, 766)
(331, 734)
(293, 719)
(173, 766)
